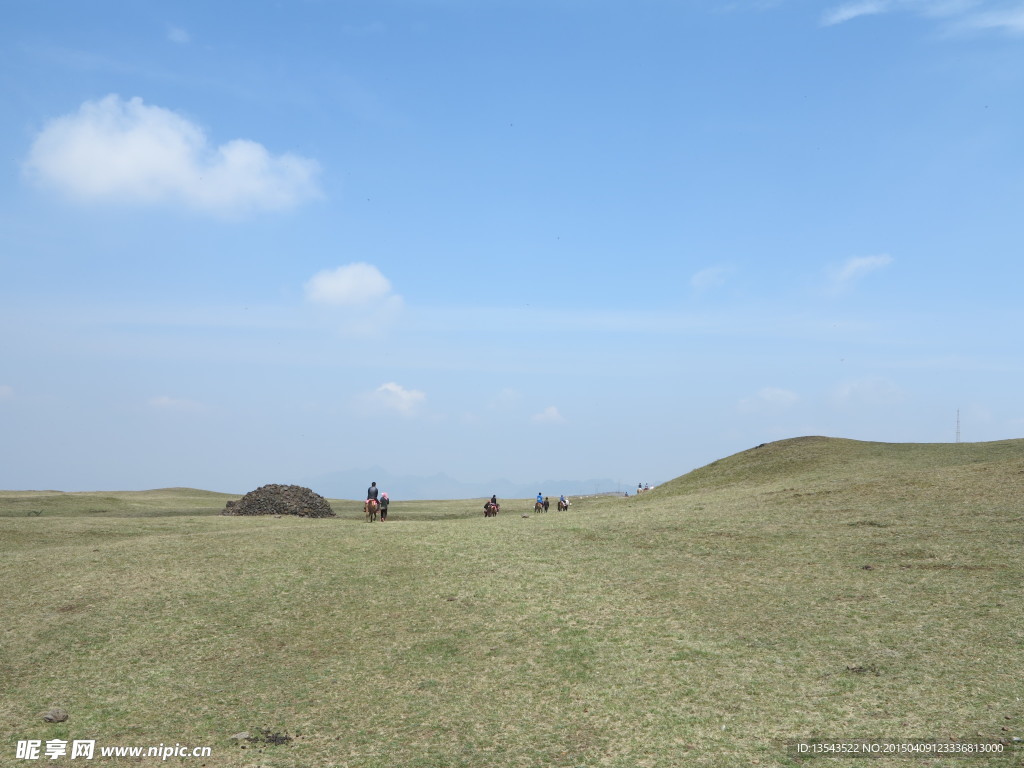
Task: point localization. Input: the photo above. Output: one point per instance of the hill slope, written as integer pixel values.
(864, 473)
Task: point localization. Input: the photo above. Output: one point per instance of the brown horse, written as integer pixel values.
(562, 505)
(370, 507)
(538, 506)
(491, 510)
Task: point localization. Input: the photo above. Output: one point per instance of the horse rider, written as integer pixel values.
(384, 501)
(494, 501)
(371, 492)
(540, 498)
(564, 500)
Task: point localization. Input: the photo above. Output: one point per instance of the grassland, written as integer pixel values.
(810, 588)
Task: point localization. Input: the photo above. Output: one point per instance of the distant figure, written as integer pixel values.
(491, 507)
(384, 501)
(563, 503)
(546, 504)
(646, 487)
(371, 492)
(540, 498)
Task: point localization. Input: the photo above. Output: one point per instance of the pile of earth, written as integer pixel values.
(280, 500)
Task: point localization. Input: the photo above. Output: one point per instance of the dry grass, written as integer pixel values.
(808, 589)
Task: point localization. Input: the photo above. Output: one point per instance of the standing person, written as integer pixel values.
(384, 501)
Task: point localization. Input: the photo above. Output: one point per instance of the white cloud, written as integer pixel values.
(549, 415)
(6, 391)
(850, 11)
(356, 298)
(394, 397)
(120, 151)
(352, 285)
(165, 403)
(710, 277)
(178, 35)
(769, 398)
(857, 267)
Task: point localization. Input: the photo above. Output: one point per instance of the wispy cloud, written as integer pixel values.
(867, 391)
(549, 415)
(856, 268)
(850, 11)
(397, 399)
(505, 399)
(1006, 19)
(711, 277)
(178, 35)
(129, 152)
(768, 398)
(165, 403)
(956, 15)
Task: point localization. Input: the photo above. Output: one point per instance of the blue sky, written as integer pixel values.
(501, 238)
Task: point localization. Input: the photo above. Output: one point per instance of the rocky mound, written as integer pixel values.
(280, 500)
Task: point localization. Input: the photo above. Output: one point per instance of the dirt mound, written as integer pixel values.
(280, 500)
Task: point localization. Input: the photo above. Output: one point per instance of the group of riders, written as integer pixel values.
(377, 502)
(491, 507)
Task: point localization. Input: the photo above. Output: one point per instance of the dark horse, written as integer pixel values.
(491, 510)
(370, 507)
(562, 505)
(540, 506)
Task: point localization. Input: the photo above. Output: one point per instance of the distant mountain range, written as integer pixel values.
(352, 484)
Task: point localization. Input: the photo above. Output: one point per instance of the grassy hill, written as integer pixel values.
(810, 588)
(852, 466)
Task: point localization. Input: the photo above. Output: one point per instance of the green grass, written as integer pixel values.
(812, 588)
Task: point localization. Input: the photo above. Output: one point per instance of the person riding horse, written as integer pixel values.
(372, 505)
(491, 507)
